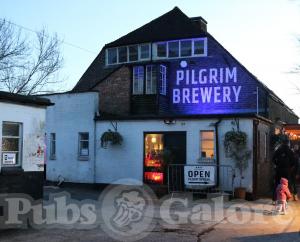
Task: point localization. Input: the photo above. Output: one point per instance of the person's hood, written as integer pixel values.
(284, 181)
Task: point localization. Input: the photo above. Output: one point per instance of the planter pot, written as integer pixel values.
(240, 193)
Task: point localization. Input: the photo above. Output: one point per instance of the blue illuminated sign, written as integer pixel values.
(211, 86)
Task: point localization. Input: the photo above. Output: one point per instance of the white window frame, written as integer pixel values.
(127, 59)
(151, 79)
(20, 148)
(106, 56)
(52, 155)
(162, 80)
(80, 140)
(140, 81)
(140, 52)
(200, 145)
(154, 49)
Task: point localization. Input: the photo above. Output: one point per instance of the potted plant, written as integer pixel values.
(236, 148)
(113, 137)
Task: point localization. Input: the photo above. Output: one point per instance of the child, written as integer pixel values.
(282, 194)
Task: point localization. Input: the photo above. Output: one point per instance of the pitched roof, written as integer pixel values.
(24, 100)
(172, 25)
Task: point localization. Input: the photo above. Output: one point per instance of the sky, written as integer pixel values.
(261, 34)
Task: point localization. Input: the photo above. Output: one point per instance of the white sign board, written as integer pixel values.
(9, 158)
(199, 175)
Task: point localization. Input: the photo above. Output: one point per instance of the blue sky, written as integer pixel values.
(261, 34)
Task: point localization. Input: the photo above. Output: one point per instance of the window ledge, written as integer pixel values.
(83, 158)
(52, 157)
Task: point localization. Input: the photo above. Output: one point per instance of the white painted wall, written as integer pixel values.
(71, 114)
(32, 119)
(126, 161)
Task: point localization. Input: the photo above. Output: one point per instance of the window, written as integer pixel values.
(138, 80)
(199, 47)
(266, 147)
(163, 80)
(144, 51)
(122, 54)
(161, 50)
(111, 56)
(207, 144)
(185, 48)
(173, 48)
(151, 81)
(11, 144)
(83, 145)
(133, 53)
(52, 146)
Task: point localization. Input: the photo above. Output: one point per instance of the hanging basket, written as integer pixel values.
(112, 137)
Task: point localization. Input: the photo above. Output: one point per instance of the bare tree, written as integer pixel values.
(28, 65)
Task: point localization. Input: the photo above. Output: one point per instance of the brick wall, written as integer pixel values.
(114, 92)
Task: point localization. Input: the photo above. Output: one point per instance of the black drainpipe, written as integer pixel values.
(217, 149)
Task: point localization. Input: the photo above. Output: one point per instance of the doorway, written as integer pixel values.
(160, 150)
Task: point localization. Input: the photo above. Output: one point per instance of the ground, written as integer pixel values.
(234, 221)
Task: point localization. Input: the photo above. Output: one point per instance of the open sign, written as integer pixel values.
(199, 175)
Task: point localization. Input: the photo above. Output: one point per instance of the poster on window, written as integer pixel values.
(199, 175)
(9, 158)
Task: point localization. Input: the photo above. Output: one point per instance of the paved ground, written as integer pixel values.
(234, 221)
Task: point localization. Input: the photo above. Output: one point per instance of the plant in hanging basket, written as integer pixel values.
(113, 137)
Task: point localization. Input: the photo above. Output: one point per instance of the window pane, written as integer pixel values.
(163, 80)
(145, 51)
(52, 136)
(138, 80)
(151, 80)
(53, 148)
(133, 53)
(112, 56)
(173, 49)
(198, 47)
(186, 48)
(10, 129)
(207, 135)
(122, 54)
(161, 50)
(207, 144)
(10, 144)
(84, 136)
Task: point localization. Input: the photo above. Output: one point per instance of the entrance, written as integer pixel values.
(160, 150)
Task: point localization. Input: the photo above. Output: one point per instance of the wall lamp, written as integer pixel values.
(170, 121)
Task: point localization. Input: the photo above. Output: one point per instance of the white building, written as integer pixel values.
(22, 143)
(172, 95)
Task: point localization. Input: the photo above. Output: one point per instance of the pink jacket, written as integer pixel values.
(282, 190)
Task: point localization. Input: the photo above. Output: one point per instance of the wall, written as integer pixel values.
(115, 92)
(33, 124)
(72, 113)
(126, 161)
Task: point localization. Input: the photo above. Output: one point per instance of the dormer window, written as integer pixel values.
(133, 53)
(145, 52)
(111, 56)
(161, 50)
(173, 49)
(185, 48)
(127, 54)
(122, 52)
(180, 48)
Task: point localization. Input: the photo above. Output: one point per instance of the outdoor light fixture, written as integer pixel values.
(169, 121)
